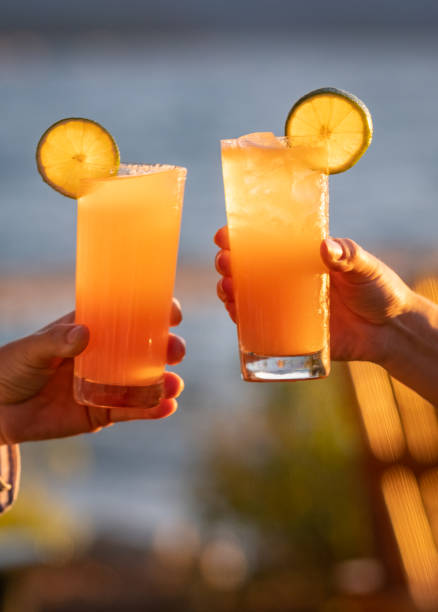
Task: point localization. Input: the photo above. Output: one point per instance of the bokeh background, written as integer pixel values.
(251, 497)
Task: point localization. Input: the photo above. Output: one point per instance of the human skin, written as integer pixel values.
(36, 380)
(374, 316)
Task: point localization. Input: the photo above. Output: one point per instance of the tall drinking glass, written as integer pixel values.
(127, 243)
(277, 212)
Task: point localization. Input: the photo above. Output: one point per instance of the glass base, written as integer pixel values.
(263, 368)
(99, 395)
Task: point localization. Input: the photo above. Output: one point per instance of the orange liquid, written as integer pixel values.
(277, 210)
(128, 231)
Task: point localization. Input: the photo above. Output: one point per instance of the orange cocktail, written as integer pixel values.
(277, 211)
(128, 231)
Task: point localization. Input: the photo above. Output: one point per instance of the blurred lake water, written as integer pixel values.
(170, 99)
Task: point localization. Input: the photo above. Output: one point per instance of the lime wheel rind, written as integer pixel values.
(352, 149)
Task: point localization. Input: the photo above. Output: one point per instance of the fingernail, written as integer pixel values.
(177, 302)
(74, 334)
(181, 389)
(334, 248)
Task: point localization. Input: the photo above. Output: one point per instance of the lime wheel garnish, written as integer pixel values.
(74, 149)
(332, 119)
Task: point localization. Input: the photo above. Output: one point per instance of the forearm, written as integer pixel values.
(412, 351)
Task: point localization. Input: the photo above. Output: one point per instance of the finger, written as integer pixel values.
(221, 238)
(332, 252)
(41, 349)
(231, 309)
(27, 364)
(346, 256)
(176, 349)
(173, 385)
(59, 341)
(220, 292)
(225, 290)
(67, 318)
(175, 313)
(164, 409)
(223, 262)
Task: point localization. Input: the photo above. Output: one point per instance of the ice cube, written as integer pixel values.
(260, 139)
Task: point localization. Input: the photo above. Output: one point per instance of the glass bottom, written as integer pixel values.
(264, 368)
(99, 395)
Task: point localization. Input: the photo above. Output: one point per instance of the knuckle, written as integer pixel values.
(351, 249)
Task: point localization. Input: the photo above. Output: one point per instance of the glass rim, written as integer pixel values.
(293, 141)
(307, 151)
(130, 170)
(127, 169)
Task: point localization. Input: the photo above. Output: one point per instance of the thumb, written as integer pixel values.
(44, 347)
(363, 283)
(27, 364)
(345, 256)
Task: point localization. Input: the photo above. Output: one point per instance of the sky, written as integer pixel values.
(225, 14)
